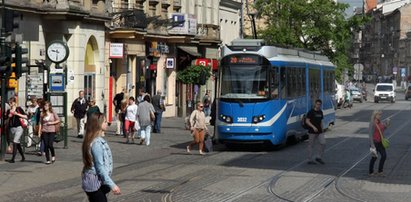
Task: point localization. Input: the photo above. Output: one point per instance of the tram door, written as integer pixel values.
(89, 86)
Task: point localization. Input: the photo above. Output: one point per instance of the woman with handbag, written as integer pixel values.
(198, 128)
(98, 161)
(16, 118)
(376, 136)
(49, 124)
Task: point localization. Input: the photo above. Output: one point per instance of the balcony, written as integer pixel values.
(177, 5)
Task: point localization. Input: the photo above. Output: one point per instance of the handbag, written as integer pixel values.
(208, 143)
(24, 123)
(385, 142)
(57, 126)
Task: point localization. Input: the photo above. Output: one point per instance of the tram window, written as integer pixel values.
(274, 83)
(244, 82)
(283, 83)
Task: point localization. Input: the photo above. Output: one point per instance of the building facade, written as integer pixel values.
(78, 23)
(135, 45)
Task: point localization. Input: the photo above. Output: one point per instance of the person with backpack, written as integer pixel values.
(315, 132)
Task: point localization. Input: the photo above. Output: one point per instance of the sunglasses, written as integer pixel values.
(201, 106)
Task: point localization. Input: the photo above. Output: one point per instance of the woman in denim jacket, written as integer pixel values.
(97, 160)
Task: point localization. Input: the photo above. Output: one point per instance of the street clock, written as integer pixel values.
(57, 52)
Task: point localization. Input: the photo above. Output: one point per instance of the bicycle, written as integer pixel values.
(30, 138)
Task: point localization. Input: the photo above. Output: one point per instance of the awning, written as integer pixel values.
(190, 50)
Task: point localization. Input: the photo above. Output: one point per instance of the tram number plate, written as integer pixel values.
(241, 119)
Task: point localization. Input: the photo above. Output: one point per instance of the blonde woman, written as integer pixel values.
(98, 161)
(49, 120)
(377, 128)
(198, 128)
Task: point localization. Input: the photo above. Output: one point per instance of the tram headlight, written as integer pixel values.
(259, 118)
(227, 119)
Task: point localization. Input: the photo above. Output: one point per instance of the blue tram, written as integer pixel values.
(263, 92)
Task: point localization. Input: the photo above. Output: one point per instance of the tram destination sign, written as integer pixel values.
(244, 59)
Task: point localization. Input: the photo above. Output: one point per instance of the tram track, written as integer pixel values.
(168, 197)
(330, 181)
(171, 190)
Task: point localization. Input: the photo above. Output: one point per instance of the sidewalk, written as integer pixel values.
(33, 173)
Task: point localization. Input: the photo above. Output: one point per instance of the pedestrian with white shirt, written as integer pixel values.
(130, 119)
(79, 109)
(31, 112)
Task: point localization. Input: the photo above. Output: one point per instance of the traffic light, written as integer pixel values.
(21, 60)
(5, 61)
(9, 19)
(4, 64)
(12, 82)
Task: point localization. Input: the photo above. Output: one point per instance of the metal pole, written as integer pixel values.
(3, 87)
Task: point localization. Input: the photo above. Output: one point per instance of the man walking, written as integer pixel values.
(117, 108)
(207, 103)
(315, 132)
(159, 107)
(79, 109)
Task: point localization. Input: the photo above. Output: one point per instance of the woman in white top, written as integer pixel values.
(130, 119)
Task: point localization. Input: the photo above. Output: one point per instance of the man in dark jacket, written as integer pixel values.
(79, 109)
(117, 107)
(159, 107)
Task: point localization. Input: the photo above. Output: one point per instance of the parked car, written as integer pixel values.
(384, 91)
(408, 92)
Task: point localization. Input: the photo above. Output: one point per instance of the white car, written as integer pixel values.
(384, 91)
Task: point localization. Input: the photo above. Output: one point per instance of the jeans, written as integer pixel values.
(311, 142)
(48, 144)
(145, 132)
(81, 122)
(383, 154)
(207, 111)
(157, 122)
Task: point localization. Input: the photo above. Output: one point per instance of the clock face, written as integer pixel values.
(57, 52)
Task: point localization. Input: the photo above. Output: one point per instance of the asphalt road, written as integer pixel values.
(164, 171)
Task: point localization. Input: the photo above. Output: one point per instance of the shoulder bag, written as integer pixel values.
(385, 142)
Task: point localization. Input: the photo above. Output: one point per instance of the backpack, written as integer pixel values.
(303, 122)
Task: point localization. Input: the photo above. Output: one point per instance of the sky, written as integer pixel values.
(352, 3)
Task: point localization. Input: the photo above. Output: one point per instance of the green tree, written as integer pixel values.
(195, 74)
(317, 25)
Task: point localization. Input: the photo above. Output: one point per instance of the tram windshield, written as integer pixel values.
(244, 82)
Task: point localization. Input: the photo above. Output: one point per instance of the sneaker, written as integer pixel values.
(201, 152)
(142, 142)
(80, 136)
(48, 162)
(372, 174)
(319, 161)
(188, 149)
(380, 174)
(311, 163)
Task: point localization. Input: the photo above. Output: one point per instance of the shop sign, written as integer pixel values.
(170, 63)
(116, 50)
(185, 24)
(207, 62)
